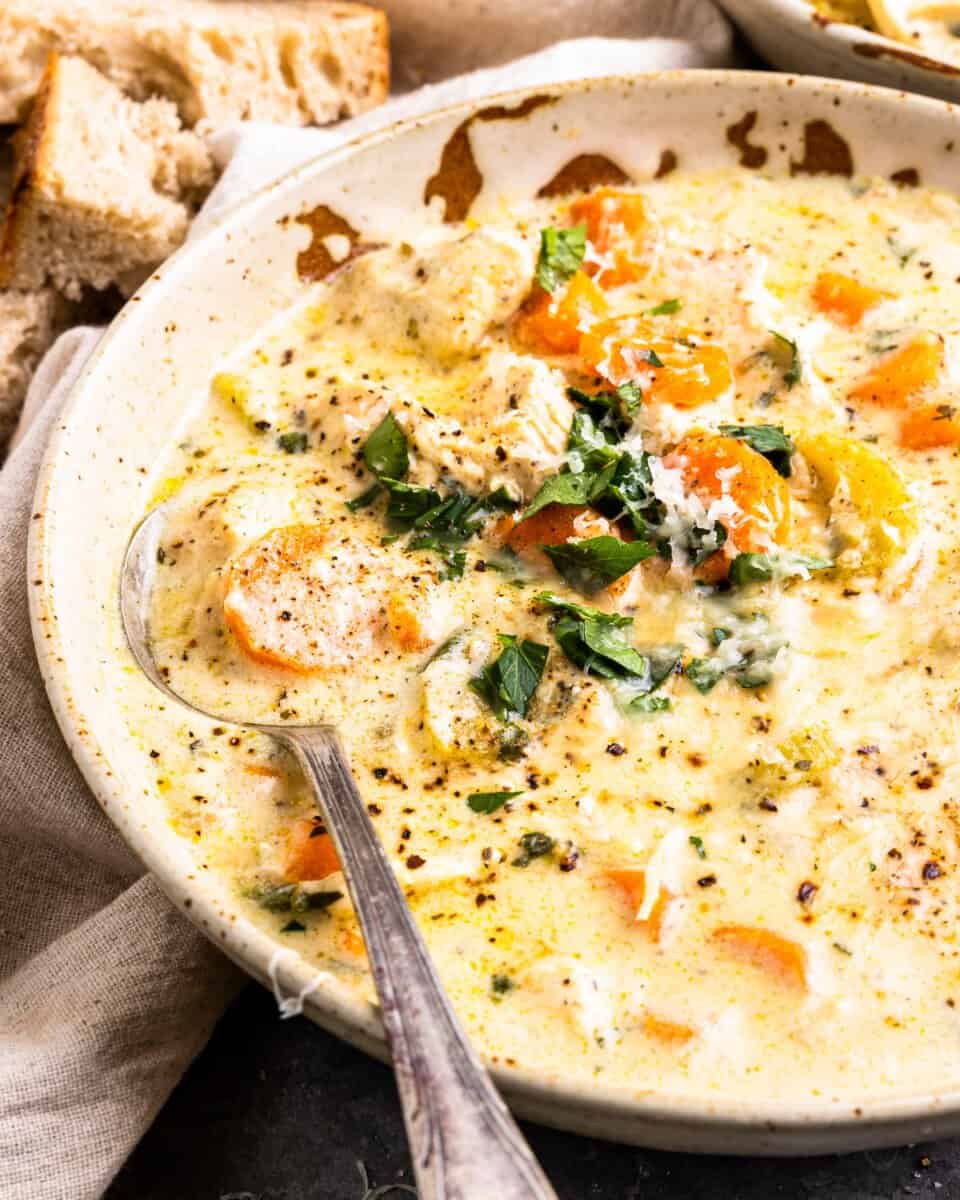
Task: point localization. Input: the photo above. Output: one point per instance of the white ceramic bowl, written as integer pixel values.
(156, 362)
(792, 35)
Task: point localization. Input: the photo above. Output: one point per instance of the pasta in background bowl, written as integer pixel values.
(895, 43)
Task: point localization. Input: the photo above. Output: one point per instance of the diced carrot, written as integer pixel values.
(682, 370)
(618, 229)
(351, 941)
(632, 882)
(781, 958)
(294, 600)
(844, 298)
(551, 526)
(553, 323)
(262, 770)
(404, 623)
(670, 1032)
(903, 373)
(715, 467)
(310, 854)
(927, 426)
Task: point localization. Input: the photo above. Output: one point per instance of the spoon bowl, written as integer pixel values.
(464, 1143)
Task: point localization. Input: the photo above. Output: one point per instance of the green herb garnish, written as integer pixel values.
(561, 253)
(292, 443)
(697, 844)
(489, 802)
(507, 685)
(501, 984)
(665, 309)
(768, 440)
(533, 845)
(291, 897)
(787, 354)
(761, 568)
(594, 563)
(385, 450)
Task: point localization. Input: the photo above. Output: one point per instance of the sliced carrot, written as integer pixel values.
(844, 298)
(715, 467)
(298, 600)
(779, 957)
(351, 941)
(553, 323)
(670, 1032)
(903, 373)
(682, 370)
(310, 854)
(618, 229)
(405, 624)
(928, 426)
(551, 526)
(632, 882)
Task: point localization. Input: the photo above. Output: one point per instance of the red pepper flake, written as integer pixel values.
(806, 891)
(706, 881)
(415, 861)
(616, 749)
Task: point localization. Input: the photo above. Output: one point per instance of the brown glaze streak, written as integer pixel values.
(316, 262)
(738, 135)
(582, 173)
(906, 177)
(870, 50)
(457, 179)
(825, 152)
(668, 162)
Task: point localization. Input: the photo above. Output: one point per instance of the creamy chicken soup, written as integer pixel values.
(618, 537)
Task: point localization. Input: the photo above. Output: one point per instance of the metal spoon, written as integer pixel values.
(464, 1143)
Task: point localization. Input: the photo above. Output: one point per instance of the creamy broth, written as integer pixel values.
(727, 865)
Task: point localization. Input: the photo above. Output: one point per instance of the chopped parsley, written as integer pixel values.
(442, 523)
(597, 643)
(507, 685)
(501, 984)
(489, 802)
(752, 664)
(561, 253)
(533, 845)
(385, 450)
(292, 443)
(665, 309)
(787, 355)
(697, 844)
(594, 563)
(582, 487)
(292, 898)
(768, 440)
(761, 568)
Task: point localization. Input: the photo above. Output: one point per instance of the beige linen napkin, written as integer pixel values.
(107, 993)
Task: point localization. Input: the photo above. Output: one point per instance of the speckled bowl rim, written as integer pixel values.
(715, 1125)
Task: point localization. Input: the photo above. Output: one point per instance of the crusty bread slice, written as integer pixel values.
(103, 186)
(298, 62)
(29, 324)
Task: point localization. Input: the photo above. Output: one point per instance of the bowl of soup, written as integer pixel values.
(588, 456)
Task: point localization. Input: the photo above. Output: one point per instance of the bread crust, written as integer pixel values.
(296, 62)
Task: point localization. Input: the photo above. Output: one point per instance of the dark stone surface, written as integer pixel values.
(279, 1110)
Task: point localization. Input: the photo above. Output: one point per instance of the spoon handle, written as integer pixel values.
(464, 1143)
